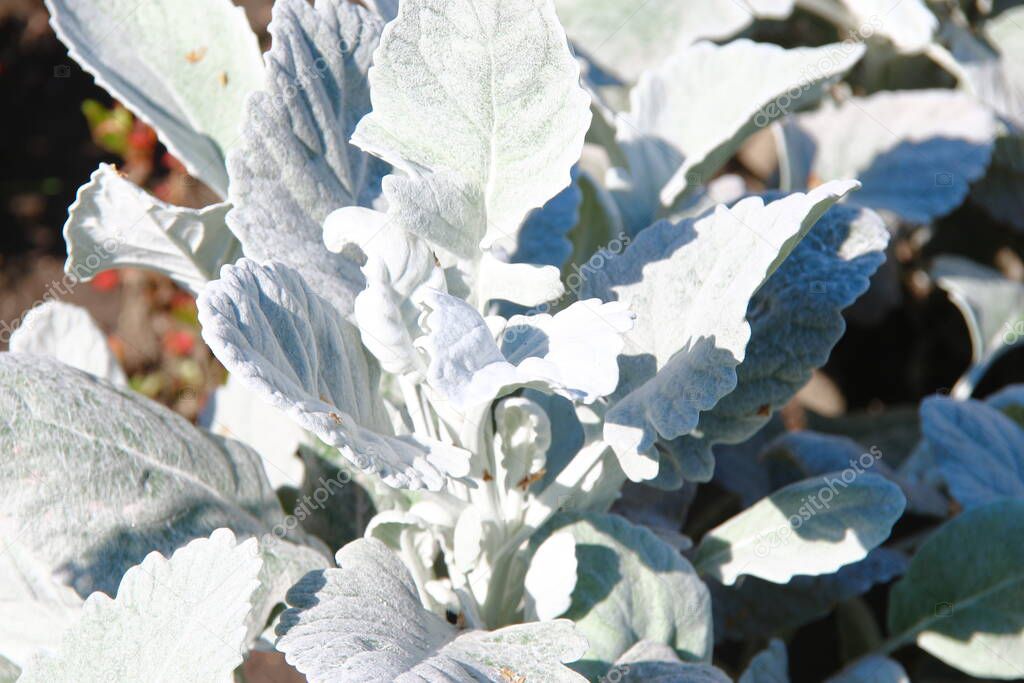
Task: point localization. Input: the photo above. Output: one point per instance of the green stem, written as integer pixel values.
(890, 645)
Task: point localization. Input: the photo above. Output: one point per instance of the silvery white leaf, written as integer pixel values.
(114, 223)
(795, 319)
(796, 455)
(688, 117)
(468, 540)
(525, 284)
(294, 164)
(67, 332)
(410, 535)
(567, 433)
(148, 481)
(915, 152)
(629, 38)
(993, 309)
(797, 532)
(908, 24)
(770, 665)
(522, 435)
(397, 265)
(551, 577)
(648, 662)
(188, 79)
(9, 671)
(978, 451)
(291, 347)
(572, 353)
(384, 634)
(631, 587)
(961, 598)
(690, 286)
(132, 477)
(753, 608)
(196, 602)
(995, 77)
(479, 103)
(236, 412)
(871, 669)
(38, 608)
(1009, 400)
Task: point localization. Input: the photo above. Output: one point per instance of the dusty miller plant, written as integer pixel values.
(488, 277)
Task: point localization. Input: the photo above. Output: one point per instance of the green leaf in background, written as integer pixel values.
(344, 515)
(110, 127)
(996, 78)
(771, 665)
(962, 600)
(977, 450)
(871, 669)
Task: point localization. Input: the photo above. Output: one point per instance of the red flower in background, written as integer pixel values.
(106, 281)
(179, 343)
